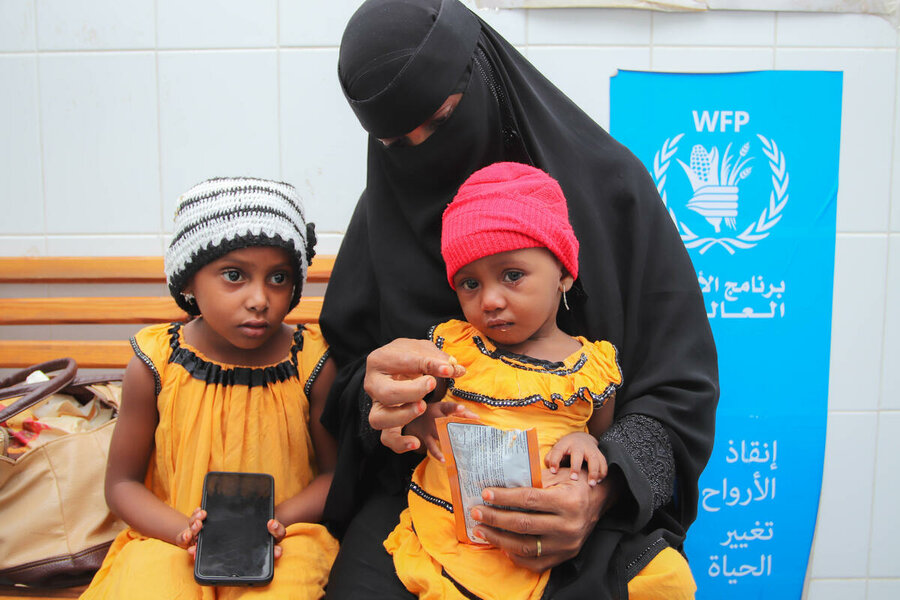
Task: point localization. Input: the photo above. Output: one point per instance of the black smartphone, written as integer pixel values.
(234, 547)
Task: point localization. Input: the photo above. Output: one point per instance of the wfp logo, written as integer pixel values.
(723, 182)
(716, 190)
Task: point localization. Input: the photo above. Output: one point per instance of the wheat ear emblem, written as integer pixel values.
(715, 188)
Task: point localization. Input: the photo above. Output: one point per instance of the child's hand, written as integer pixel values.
(423, 426)
(187, 538)
(277, 530)
(579, 447)
(391, 437)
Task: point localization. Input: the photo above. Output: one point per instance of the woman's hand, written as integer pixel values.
(564, 514)
(398, 376)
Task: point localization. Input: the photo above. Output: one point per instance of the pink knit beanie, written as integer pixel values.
(507, 206)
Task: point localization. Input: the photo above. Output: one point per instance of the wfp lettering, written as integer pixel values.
(706, 121)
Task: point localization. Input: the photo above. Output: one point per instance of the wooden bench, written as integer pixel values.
(60, 274)
(102, 310)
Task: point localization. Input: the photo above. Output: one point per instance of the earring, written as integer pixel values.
(188, 297)
(565, 302)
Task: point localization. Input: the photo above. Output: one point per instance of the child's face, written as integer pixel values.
(512, 297)
(244, 296)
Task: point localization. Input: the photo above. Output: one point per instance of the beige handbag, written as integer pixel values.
(55, 526)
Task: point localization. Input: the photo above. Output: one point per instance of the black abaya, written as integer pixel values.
(636, 287)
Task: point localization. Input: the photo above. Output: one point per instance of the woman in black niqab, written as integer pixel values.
(399, 61)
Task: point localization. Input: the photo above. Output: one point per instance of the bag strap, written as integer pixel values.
(83, 380)
(32, 393)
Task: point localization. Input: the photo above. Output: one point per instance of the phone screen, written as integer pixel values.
(234, 547)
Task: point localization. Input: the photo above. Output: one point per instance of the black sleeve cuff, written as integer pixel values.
(369, 437)
(639, 448)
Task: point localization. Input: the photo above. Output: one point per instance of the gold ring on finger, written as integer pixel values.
(538, 553)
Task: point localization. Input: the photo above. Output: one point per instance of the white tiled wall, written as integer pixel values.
(217, 23)
(856, 343)
(20, 155)
(17, 25)
(110, 108)
(95, 25)
(99, 135)
(204, 97)
(845, 509)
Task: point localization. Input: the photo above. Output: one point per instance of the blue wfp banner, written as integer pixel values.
(747, 164)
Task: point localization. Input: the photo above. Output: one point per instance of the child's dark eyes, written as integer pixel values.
(513, 276)
(468, 284)
(232, 275)
(279, 278)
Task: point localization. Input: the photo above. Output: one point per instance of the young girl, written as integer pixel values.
(234, 389)
(511, 255)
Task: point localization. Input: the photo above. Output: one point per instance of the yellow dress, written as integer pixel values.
(509, 392)
(219, 417)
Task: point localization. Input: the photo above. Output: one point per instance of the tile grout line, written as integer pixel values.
(161, 197)
(40, 126)
(278, 78)
(884, 322)
(872, 498)
(774, 45)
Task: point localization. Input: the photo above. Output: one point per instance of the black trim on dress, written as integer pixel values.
(157, 382)
(416, 489)
(315, 373)
(521, 361)
(214, 374)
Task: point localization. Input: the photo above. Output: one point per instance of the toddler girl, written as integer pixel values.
(511, 255)
(234, 389)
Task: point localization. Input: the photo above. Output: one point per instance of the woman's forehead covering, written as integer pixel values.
(400, 59)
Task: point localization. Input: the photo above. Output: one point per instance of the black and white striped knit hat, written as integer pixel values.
(228, 213)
